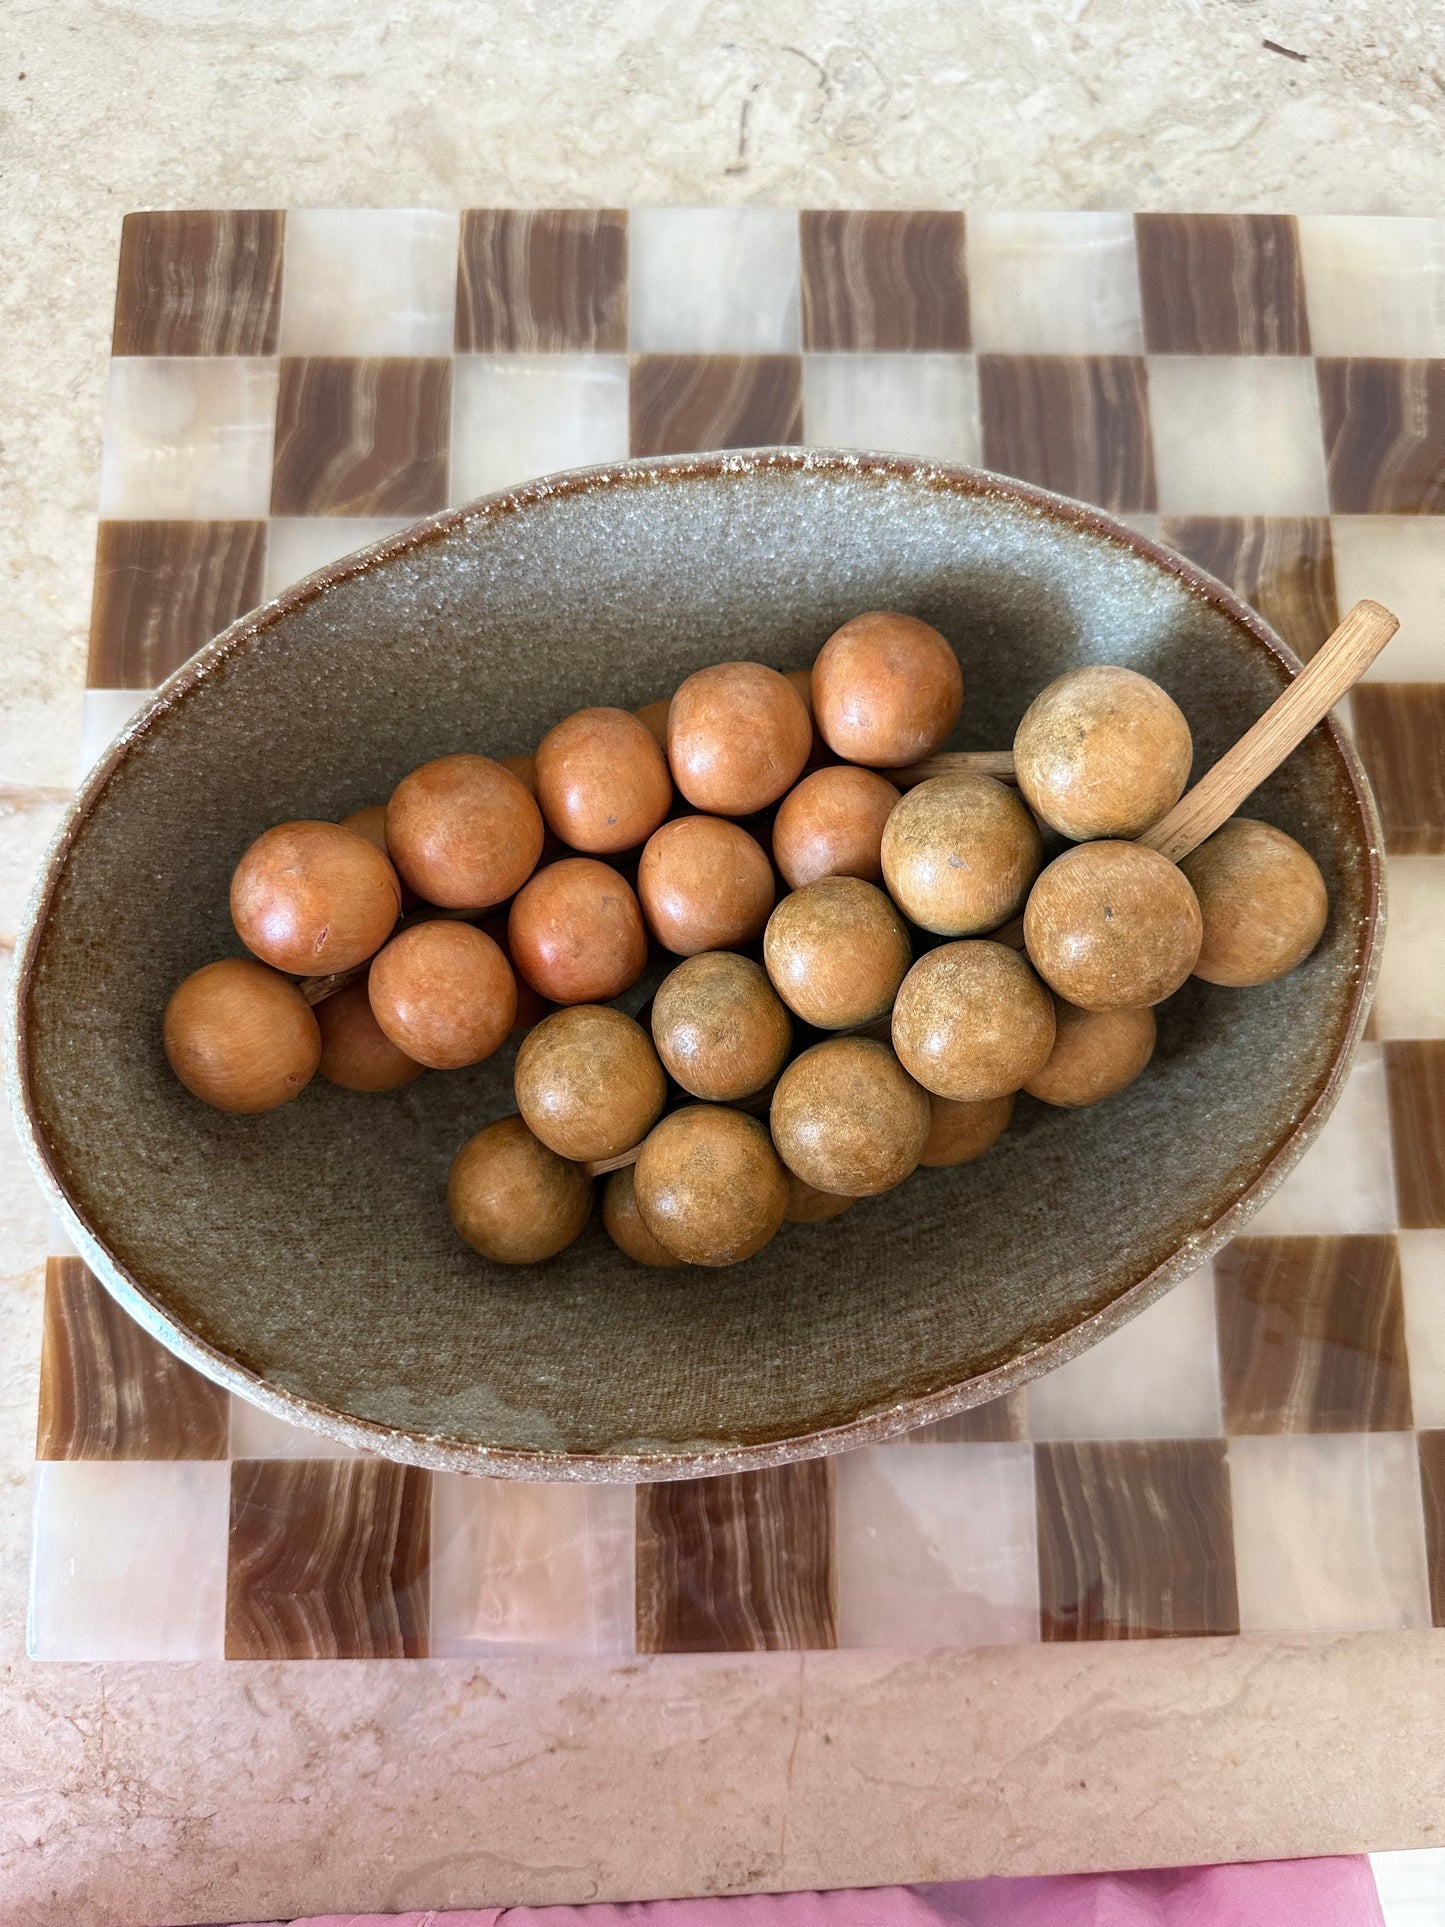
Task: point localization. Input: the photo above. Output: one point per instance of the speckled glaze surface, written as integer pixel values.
(304, 1258)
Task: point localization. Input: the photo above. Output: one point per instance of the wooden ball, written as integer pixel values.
(531, 1006)
(836, 951)
(1263, 902)
(705, 885)
(464, 832)
(887, 690)
(709, 1185)
(738, 735)
(847, 1117)
(972, 1021)
(444, 993)
(241, 1037)
(1113, 926)
(623, 1223)
(512, 1199)
(602, 782)
(1096, 1052)
(720, 1027)
(576, 932)
(831, 825)
(371, 823)
(1102, 751)
(809, 1206)
(818, 751)
(313, 898)
(588, 1082)
(959, 1133)
(356, 1052)
(959, 854)
(653, 717)
(524, 768)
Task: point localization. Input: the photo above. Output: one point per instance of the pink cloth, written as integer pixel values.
(1261, 1893)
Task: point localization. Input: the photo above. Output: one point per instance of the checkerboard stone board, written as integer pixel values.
(1263, 1449)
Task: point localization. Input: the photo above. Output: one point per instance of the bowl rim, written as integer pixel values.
(439, 1453)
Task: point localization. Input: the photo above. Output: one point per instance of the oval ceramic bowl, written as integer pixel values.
(304, 1258)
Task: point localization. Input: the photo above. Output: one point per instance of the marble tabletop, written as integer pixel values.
(137, 1793)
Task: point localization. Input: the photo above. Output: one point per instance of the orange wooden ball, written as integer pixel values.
(959, 854)
(653, 717)
(576, 932)
(464, 832)
(837, 951)
(960, 1132)
(524, 768)
(720, 1028)
(356, 1052)
(241, 1037)
(1095, 1054)
(602, 782)
(1113, 926)
(1263, 902)
(818, 751)
(1103, 751)
(831, 825)
(887, 690)
(589, 1083)
(809, 1206)
(709, 1185)
(972, 1021)
(623, 1223)
(512, 1199)
(370, 822)
(313, 898)
(847, 1118)
(705, 884)
(444, 993)
(738, 735)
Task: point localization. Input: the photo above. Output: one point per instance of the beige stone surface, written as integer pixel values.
(135, 1794)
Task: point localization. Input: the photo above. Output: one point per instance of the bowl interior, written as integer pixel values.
(306, 1256)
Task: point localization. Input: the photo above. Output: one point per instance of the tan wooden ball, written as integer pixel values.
(809, 1206)
(738, 735)
(705, 884)
(356, 1052)
(720, 1028)
(241, 1037)
(444, 993)
(464, 832)
(588, 1082)
(1263, 902)
(831, 825)
(972, 1021)
(960, 853)
(847, 1118)
(1113, 926)
(1095, 1054)
(960, 1132)
(576, 933)
(887, 690)
(602, 782)
(512, 1199)
(709, 1185)
(1103, 751)
(313, 898)
(623, 1223)
(653, 717)
(837, 951)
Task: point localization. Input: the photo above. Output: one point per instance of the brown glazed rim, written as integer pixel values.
(443, 1454)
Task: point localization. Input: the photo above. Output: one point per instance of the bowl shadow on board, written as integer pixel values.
(305, 1258)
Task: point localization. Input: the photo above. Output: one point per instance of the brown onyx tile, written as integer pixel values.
(685, 402)
(1075, 423)
(542, 280)
(164, 588)
(193, 283)
(108, 1390)
(996, 1422)
(362, 437)
(737, 1564)
(1400, 733)
(881, 280)
(1312, 1335)
(1135, 1540)
(1283, 565)
(1384, 427)
(328, 1560)
(1415, 1080)
(1221, 284)
(1432, 1491)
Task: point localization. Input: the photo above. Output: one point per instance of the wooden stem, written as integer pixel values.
(950, 762)
(317, 989)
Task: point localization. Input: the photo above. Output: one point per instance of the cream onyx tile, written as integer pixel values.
(1155, 1378)
(104, 713)
(937, 1546)
(58, 1242)
(188, 438)
(1345, 1182)
(1374, 285)
(1144, 524)
(717, 280)
(1400, 561)
(257, 1434)
(1422, 1280)
(369, 281)
(1410, 994)
(1329, 1532)
(1237, 435)
(518, 416)
(911, 404)
(518, 1565)
(1054, 284)
(129, 1560)
(298, 545)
